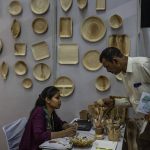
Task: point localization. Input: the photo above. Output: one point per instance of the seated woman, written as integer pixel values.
(43, 123)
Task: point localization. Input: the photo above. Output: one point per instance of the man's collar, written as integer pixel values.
(129, 65)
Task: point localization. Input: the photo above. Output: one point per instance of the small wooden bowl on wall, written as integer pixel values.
(115, 21)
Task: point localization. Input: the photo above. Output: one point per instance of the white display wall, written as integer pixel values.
(15, 101)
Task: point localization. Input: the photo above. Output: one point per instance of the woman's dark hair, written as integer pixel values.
(47, 92)
(109, 53)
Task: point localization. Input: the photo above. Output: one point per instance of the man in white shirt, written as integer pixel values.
(135, 72)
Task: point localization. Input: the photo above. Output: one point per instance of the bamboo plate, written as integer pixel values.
(4, 69)
(65, 27)
(15, 8)
(91, 60)
(39, 25)
(27, 83)
(82, 3)
(100, 4)
(21, 68)
(93, 29)
(121, 42)
(40, 50)
(102, 83)
(65, 85)
(40, 6)
(1, 45)
(20, 49)
(115, 21)
(68, 53)
(15, 28)
(41, 72)
(66, 4)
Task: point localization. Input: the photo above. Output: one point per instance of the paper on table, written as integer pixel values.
(144, 104)
(104, 145)
(57, 144)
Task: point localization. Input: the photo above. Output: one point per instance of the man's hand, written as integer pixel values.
(108, 102)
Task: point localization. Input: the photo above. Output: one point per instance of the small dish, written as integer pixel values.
(20, 49)
(65, 85)
(91, 60)
(40, 50)
(93, 29)
(100, 4)
(115, 21)
(66, 4)
(21, 68)
(65, 27)
(15, 28)
(1, 45)
(39, 25)
(14, 8)
(102, 83)
(27, 83)
(41, 72)
(4, 69)
(68, 53)
(82, 3)
(40, 6)
(121, 42)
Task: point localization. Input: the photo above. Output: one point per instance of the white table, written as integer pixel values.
(119, 145)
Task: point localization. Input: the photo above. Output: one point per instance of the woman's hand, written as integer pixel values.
(67, 125)
(69, 132)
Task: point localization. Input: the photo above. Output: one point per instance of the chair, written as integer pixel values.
(13, 133)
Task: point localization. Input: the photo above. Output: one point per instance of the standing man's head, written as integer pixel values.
(113, 60)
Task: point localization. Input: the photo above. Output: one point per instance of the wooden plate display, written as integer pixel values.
(91, 60)
(82, 3)
(65, 85)
(40, 6)
(27, 83)
(4, 69)
(1, 45)
(41, 72)
(15, 8)
(20, 49)
(100, 4)
(65, 27)
(66, 4)
(21, 68)
(15, 28)
(93, 29)
(121, 42)
(40, 50)
(39, 25)
(115, 21)
(102, 83)
(68, 53)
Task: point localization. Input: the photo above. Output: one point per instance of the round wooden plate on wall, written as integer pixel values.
(27, 83)
(65, 85)
(91, 60)
(93, 29)
(41, 72)
(40, 6)
(102, 83)
(21, 68)
(15, 8)
(39, 25)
